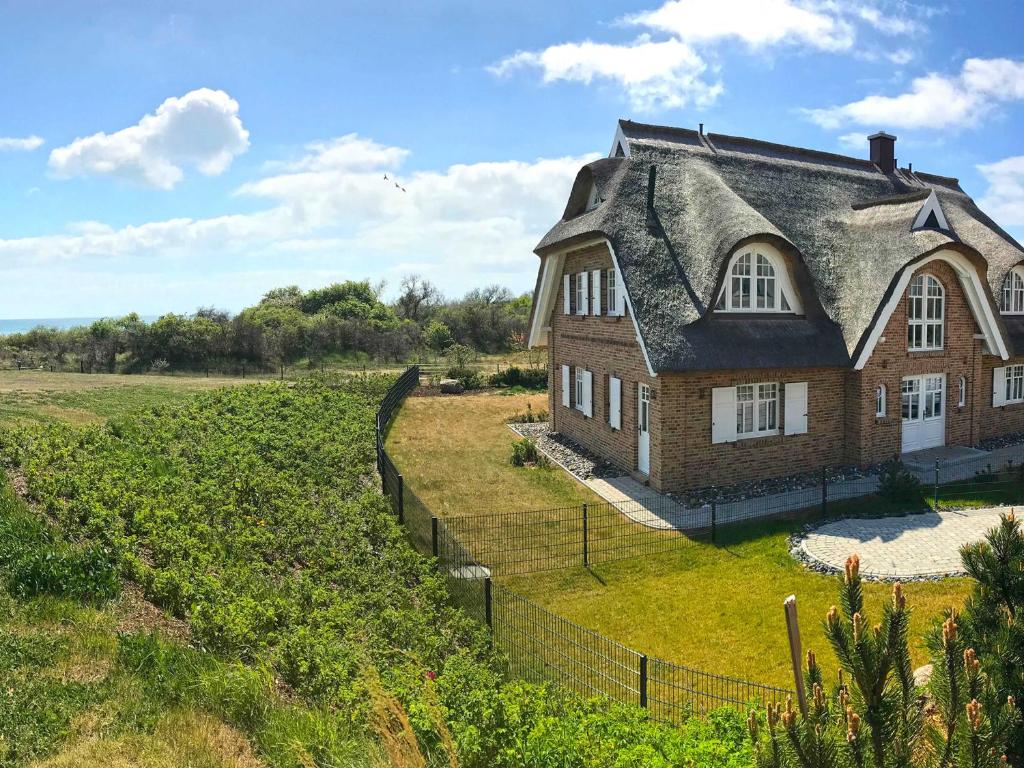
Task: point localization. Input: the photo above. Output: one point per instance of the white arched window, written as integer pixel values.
(757, 281)
(880, 401)
(925, 313)
(1013, 293)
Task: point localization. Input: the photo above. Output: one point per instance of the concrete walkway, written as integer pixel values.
(646, 506)
(908, 547)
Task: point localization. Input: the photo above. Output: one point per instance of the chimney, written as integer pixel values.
(883, 151)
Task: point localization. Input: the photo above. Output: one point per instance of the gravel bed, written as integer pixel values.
(1005, 441)
(585, 465)
(570, 454)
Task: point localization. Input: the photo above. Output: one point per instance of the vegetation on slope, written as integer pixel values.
(255, 514)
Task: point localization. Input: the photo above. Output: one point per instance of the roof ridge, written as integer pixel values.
(790, 148)
(909, 197)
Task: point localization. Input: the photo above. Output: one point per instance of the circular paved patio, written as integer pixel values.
(911, 546)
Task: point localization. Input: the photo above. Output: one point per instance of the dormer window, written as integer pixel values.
(593, 199)
(1013, 292)
(757, 281)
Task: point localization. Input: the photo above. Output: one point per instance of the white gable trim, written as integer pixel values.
(619, 141)
(549, 282)
(973, 290)
(931, 205)
(621, 286)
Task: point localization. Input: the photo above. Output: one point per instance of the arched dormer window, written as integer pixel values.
(593, 199)
(757, 281)
(925, 313)
(1013, 292)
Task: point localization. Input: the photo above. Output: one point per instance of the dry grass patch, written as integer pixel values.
(454, 453)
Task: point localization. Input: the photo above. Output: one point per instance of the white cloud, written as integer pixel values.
(757, 23)
(27, 144)
(474, 223)
(934, 100)
(1004, 198)
(200, 129)
(653, 74)
(667, 65)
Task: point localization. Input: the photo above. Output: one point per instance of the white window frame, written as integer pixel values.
(582, 296)
(880, 405)
(764, 283)
(612, 288)
(579, 389)
(962, 398)
(1014, 384)
(921, 314)
(1012, 302)
(615, 402)
(758, 406)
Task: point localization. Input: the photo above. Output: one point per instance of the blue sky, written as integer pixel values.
(164, 156)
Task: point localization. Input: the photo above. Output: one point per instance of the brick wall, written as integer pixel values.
(871, 439)
(1004, 420)
(689, 459)
(607, 346)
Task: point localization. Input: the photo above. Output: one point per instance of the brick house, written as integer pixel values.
(719, 310)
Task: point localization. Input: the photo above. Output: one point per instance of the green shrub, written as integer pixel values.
(898, 484)
(469, 378)
(525, 453)
(37, 561)
(527, 378)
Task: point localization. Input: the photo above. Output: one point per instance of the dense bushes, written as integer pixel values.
(527, 378)
(255, 513)
(251, 512)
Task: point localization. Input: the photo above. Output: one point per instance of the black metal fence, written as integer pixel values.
(537, 644)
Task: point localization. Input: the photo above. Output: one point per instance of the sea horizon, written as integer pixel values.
(24, 324)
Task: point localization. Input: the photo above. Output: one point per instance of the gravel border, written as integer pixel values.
(1006, 441)
(568, 454)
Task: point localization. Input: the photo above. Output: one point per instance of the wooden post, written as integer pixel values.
(795, 652)
(936, 485)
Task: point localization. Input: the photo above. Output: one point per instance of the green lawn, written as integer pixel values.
(87, 398)
(715, 607)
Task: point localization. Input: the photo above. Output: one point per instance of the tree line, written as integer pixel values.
(344, 322)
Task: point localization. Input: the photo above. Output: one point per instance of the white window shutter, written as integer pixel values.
(723, 415)
(566, 294)
(595, 292)
(796, 408)
(588, 393)
(565, 385)
(620, 295)
(615, 402)
(998, 387)
(583, 308)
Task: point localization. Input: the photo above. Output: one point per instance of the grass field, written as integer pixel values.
(87, 398)
(715, 607)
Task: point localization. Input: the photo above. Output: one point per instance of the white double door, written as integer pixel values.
(923, 409)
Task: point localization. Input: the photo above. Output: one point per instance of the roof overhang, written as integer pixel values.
(974, 291)
(552, 262)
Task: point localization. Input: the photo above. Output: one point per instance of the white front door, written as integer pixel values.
(643, 429)
(923, 408)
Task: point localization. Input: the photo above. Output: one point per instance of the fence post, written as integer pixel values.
(936, 485)
(586, 542)
(824, 490)
(401, 500)
(714, 522)
(488, 603)
(643, 680)
(433, 536)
